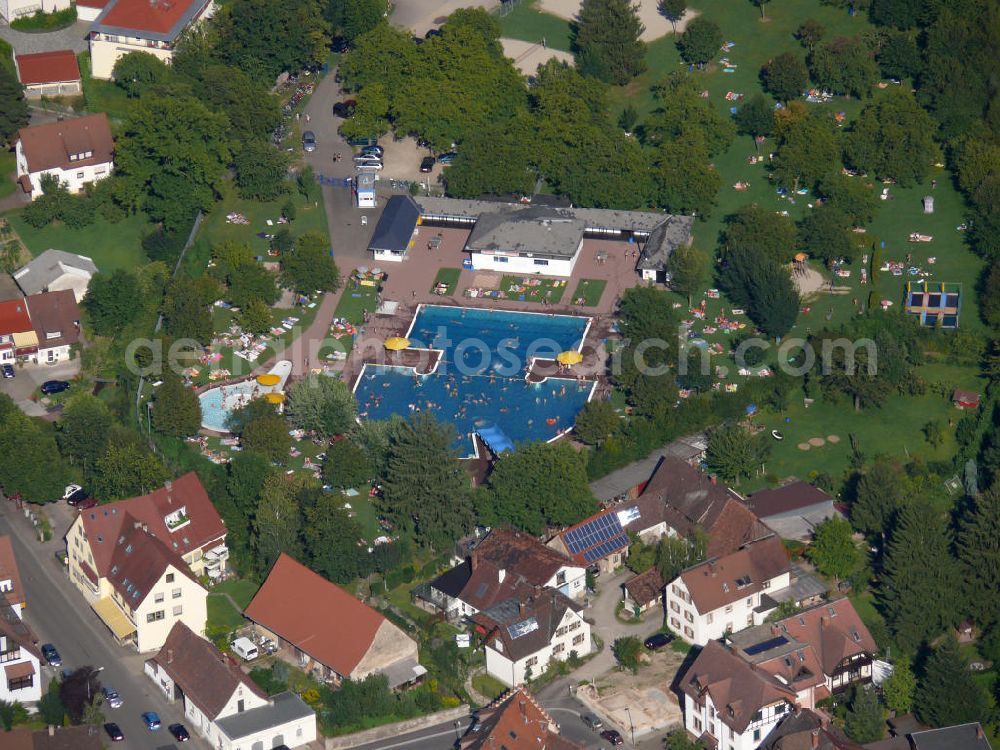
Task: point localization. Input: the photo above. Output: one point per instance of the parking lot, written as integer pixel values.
(28, 378)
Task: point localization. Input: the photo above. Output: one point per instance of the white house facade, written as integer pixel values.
(704, 716)
(20, 659)
(76, 152)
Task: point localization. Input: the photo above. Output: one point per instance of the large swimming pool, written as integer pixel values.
(480, 379)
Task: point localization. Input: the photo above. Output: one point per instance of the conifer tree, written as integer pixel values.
(947, 693)
(606, 40)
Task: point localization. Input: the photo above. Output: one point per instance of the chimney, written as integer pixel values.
(711, 568)
(474, 559)
(814, 737)
(52, 730)
(501, 574)
(520, 608)
(170, 656)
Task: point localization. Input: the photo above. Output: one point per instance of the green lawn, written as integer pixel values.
(448, 277)
(588, 292)
(221, 614)
(241, 591)
(102, 96)
(8, 167)
(531, 25)
(112, 246)
(533, 288)
(487, 686)
(354, 302)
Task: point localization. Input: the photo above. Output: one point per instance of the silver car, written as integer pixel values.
(111, 697)
(308, 141)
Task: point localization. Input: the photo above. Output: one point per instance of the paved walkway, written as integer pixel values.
(73, 37)
(608, 627)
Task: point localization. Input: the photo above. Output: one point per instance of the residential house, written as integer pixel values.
(55, 317)
(83, 737)
(54, 270)
(681, 501)
(724, 594)
(728, 704)
(644, 591)
(221, 702)
(54, 73)
(137, 561)
(10, 577)
(522, 636)
(20, 658)
(515, 721)
(151, 26)
(808, 730)
(89, 10)
(818, 651)
(600, 541)
(77, 152)
(18, 340)
(11, 10)
(794, 510)
(502, 563)
(328, 631)
(960, 737)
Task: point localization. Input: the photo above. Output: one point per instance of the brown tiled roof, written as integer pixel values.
(103, 523)
(138, 562)
(737, 689)
(316, 616)
(798, 730)
(713, 583)
(84, 737)
(515, 721)
(685, 499)
(14, 628)
(50, 145)
(21, 669)
(793, 496)
(547, 608)
(834, 629)
(58, 66)
(8, 569)
(206, 675)
(55, 313)
(646, 587)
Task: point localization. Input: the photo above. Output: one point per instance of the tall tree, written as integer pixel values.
(596, 422)
(844, 65)
(755, 118)
(496, 159)
(877, 500)
(127, 469)
(260, 171)
(920, 583)
(760, 4)
(83, 429)
(277, 522)
(176, 410)
(540, 485)
(899, 687)
(854, 196)
(681, 113)
(323, 405)
(310, 266)
(762, 286)
(825, 234)
(684, 180)
(330, 539)
(13, 105)
(267, 435)
(426, 491)
(110, 303)
(689, 267)
(347, 465)
(606, 40)
(186, 311)
(833, 550)
(40, 479)
(352, 18)
(810, 33)
(672, 10)
(865, 720)
(734, 453)
(137, 72)
(979, 553)
(807, 150)
(947, 693)
(700, 41)
(785, 76)
(764, 233)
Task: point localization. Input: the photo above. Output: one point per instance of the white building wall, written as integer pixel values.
(74, 178)
(182, 599)
(51, 355)
(24, 695)
(294, 734)
(570, 580)
(388, 257)
(699, 719)
(573, 634)
(13, 9)
(524, 266)
(684, 619)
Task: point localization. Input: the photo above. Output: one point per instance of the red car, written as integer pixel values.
(612, 736)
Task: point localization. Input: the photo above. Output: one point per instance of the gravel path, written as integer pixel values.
(73, 37)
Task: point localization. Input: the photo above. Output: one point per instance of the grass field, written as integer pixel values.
(8, 168)
(530, 289)
(448, 277)
(487, 686)
(222, 614)
(241, 591)
(112, 246)
(353, 305)
(588, 292)
(527, 23)
(102, 96)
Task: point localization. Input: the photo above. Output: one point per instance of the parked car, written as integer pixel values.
(180, 732)
(592, 721)
(245, 649)
(111, 697)
(54, 386)
(377, 151)
(612, 736)
(308, 141)
(345, 109)
(8, 371)
(51, 655)
(339, 45)
(447, 158)
(114, 732)
(87, 503)
(658, 640)
(152, 720)
(432, 32)
(361, 141)
(73, 493)
(373, 164)
(427, 164)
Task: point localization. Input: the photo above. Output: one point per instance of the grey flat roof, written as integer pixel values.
(38, 273)
(285, 707)
(395, 227)
(959, 737)
(801, 587)
(624, 479)
(669, 234)
(538, 230)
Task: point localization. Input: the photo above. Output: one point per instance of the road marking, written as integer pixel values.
(418, 739)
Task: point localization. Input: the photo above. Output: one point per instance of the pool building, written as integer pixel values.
(479, 382)
(519, 238)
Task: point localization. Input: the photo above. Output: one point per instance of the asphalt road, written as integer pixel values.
(58, 614)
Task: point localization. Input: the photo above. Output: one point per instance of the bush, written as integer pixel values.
(46, 21)
(163, 245)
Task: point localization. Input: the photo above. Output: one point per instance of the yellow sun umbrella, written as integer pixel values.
(569, 358)
(801, 257)
(396, 343)
(274, 398)
(268, 379)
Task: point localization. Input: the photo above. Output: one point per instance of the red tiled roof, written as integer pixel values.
(156, 16)
(713, 584)
(14, 317)
(515, 721)
(92, 3)
(138, 562)
(314, 615)
(21, 669)
(50, 145)
(8, 569)
(59, 66)
(103, 524)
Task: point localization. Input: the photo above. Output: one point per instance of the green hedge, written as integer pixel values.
(39, 21)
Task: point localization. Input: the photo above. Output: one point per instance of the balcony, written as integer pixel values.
(176, 520)
(216, 557)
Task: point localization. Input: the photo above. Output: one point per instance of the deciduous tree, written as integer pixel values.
(323, 405)
(596, 422)
(277, 522)
(310, 266)
(734, 453)
(83, 429)
(825, 234)
(176, 411)
(810, 33)
(700, 41)
(763, 233)
(785, 76)
(833, 550)
(347, 465)
(267, 435)
(626, 650)
(689, 267)
(899, 687)
(854, 196)
(110, 303)
(352, 18)
(127, 469)
(762, 286)
(260, 171)
(807, 150)
(673, 11)
(137, 72)
(330, 539)
(13, 105)
(844, 65)
(755, 118)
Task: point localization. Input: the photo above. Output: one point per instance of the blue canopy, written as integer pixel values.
(496, 439)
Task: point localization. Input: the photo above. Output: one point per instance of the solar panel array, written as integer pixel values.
(601, 529)
(524, 627)
(606, 548)
(760, 648)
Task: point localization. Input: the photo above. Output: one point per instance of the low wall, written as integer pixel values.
(394, 730)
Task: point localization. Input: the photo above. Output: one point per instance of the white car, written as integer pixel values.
(375, 164)
(71, 489)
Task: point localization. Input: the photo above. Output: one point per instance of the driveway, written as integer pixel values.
(73, 37)
(28, 378)
(608, 627)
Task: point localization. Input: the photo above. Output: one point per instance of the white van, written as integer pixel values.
(244, 648)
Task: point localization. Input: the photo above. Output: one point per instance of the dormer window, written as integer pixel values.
(87, 154)
(176, 519)
(73, 157)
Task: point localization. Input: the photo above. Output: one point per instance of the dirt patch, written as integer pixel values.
(817, 442)
(527, 56)
(402, 161)
(804, 446)
(807, 281)
(833, 439)
(656, 25)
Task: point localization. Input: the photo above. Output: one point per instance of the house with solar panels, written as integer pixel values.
(600, 541)
(522, 636)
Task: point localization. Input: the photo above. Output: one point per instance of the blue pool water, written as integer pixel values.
(480, 379)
